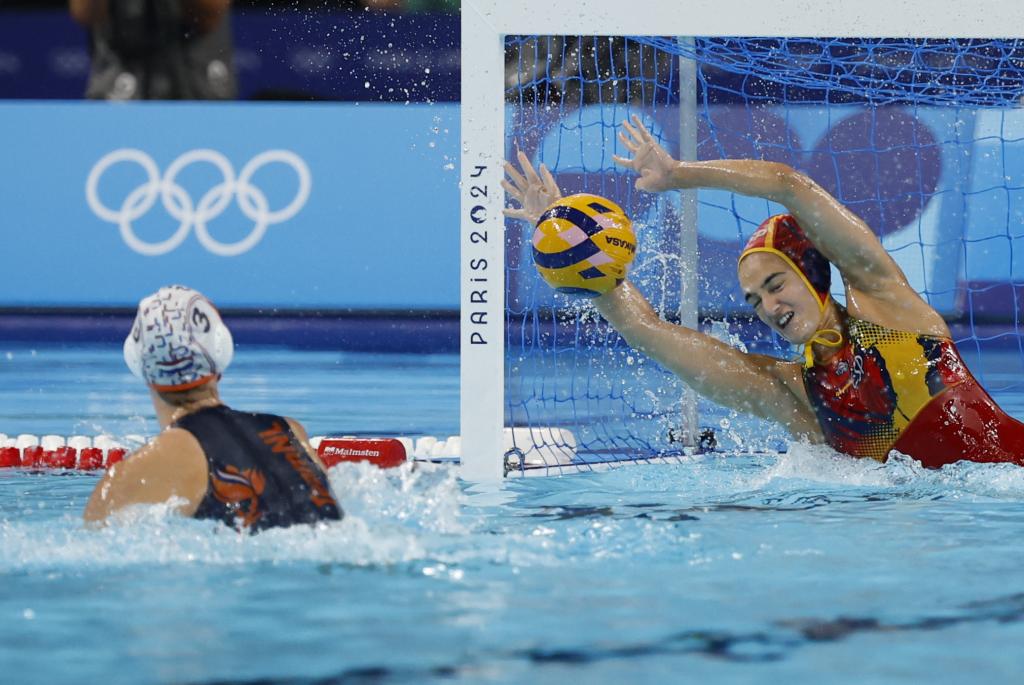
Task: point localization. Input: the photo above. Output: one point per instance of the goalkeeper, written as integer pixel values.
(880, 374)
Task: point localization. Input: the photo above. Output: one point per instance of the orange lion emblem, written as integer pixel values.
(240, 491)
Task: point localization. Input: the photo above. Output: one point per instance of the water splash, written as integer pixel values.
(820, 464)
(392, 517)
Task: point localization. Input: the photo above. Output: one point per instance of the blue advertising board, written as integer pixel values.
(259, 205)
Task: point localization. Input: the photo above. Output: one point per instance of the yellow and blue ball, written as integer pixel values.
(583, 245)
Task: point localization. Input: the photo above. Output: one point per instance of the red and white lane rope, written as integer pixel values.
(83, 453)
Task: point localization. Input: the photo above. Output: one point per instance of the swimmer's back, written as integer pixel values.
(260, 473)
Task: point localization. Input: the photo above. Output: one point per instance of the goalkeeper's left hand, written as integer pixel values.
(534, 192)
(655, 166)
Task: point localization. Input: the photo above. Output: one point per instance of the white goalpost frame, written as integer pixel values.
(687, 217)
(485, 23)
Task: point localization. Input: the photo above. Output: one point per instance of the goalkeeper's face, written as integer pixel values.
(780, 296)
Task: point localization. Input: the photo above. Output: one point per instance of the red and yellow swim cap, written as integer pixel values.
(782, 236)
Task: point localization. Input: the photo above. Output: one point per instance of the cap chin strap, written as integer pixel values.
(829, 337)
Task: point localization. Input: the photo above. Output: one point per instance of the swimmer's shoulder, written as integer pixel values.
(899, 308)
(171, 465)
(181, 460)
(173, 449)
(299, 431)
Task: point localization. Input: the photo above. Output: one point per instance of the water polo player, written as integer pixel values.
(251, 471)
(880, 374)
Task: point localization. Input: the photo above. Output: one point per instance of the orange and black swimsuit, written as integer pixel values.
(260, 475)
(894, 390)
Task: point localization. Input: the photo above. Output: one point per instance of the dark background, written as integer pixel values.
(296, 50)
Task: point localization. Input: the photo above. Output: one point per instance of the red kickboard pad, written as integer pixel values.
(383, 452)
(90, 459)
(10, 457)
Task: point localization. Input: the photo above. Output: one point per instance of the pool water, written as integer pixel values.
(802, 567)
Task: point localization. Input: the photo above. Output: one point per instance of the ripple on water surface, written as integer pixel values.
(767, 560)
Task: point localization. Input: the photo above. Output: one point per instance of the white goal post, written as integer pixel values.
(485, 23)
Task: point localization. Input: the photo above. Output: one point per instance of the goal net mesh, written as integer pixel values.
(924, 139)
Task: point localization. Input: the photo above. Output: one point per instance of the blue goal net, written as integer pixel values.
(924, 139)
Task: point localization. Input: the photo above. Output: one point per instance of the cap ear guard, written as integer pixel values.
(223, 348)
(133, 349)
(211, 334)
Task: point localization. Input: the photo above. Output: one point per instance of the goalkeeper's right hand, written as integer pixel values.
(534, 192)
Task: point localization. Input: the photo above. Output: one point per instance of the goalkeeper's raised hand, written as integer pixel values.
(656, 167)
(534, 192)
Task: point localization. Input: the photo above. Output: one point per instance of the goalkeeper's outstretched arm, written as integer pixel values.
(752, 383)
(879, 286)
(755, 384)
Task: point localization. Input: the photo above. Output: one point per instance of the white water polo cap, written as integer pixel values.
(178, 340)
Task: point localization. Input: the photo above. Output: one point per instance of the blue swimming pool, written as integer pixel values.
(803, 567)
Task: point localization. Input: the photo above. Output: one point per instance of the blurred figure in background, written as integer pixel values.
(158, 49)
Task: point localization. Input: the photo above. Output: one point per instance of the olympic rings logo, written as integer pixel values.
(180, 206)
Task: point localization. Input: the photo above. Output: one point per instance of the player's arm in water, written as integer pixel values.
(172, 465)
(756, 384)
(877, 289)
(300, 434)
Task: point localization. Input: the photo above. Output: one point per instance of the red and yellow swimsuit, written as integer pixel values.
(894, 390)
